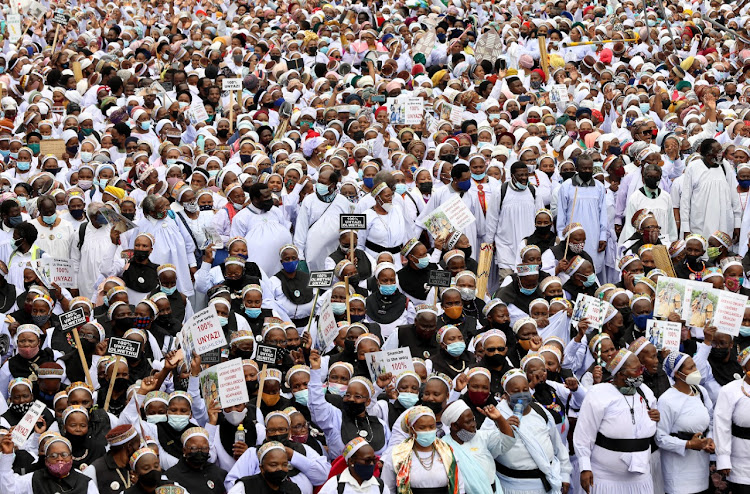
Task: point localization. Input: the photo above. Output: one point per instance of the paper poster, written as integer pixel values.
(55, 147)
(426, 43)
(489, 47)
(559, 94)
(197, 112)
(25, 427)
(14, 27)
(700, 303)
(664, 334)
(327, 328)
(224, 382)
(116, 220)
(450, 216)
(62, 273)
(203, 332)
(589, 308)
(729, 312)
(405, 110)
(451, 113)
(393, 361)
(670, 297)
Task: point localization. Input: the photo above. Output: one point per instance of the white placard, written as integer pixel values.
(559, 94)
(231, 84)
(393, 361)
(453, 215)
(327, 328)
(664, 334)
(14, 27)
(25, 426)
(590, 308)
(202, 333)
(225, 381)
(61, 272)
(197, 112)
(729, 312)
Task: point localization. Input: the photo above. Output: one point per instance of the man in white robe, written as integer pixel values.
(264, 228)
(651, 198)
(317, 231)
(173, 244)
(85, 259)
(510, 217)
(461, 176)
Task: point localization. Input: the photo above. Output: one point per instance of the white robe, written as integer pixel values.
(265, 233)
(709, 200)
(509, 226)
(590, 211)
(387, 230)
(85, 261)
(661, 207)
(317, 230)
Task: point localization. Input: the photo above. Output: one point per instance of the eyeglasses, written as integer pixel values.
(195, 449)
(55, 456)
(652, 228)
(494, 349)
(277, 432)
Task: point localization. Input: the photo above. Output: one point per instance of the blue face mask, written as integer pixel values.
(301, 397)
(5, 153)
(368, 182)
(456, 349)
(494, 116)
(426, 438)
(13, 155)
(23, 165)
(590, 280)
(645, 108)
(252, 313)
(464, 186)
(642, 320)
(321, 189)
(387, 289)
(168, 291)
(423, 262)
(171, 161)
(290, 267)
(479, 176)
(720, 127)
(50, 220)
(528, 291)
(146, 125)
(744, 330)
(223, 320)
(629, 121)
(408, 399)
(338, 308)
(744, 183)
(178, 422)
(401, 189)
(15, 220)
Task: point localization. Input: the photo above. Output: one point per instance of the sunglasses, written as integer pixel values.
(494, 349)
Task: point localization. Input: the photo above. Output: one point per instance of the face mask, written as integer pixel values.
(145, 125)
(253, 313)
(521, 400)
(713, 252)
(401, 189)
(301, 397)
(35, 147)
(85, 184)
(426, 187)
(467, 293)
(453, 312)
(408, 400)
(645, 108)
(744, 183)
(426, 438)
(651, 183)
(387, 290)
(576, 248)
(60, 470)
(223, 320)
(450, 158)
(300, 438)
(634, 382)
(614, 150)
(463, 151)
(338, 308)
(28, 352)
(719, 353)
(364, 472)
(269, 399)
(465, 436)
(590, 280)
(368, 182)
(23, 165)
(694, 378)
(275, 478)
(423, 262)
(744, 330)
(642, 320)
(478, 397)
(321, 189)
(178, 422)
(478, 177)
(150, 479)
(354, 409)
(50, 220)
(168, 291)
(464, 186)
(156, 418)
(15, 221)
(290, 266)
(527, 291)
(337, 389)
(197, 458)
(387, 207)
(41, 319)
(455, 349)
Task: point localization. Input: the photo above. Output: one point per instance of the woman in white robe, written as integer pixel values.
(386, 229)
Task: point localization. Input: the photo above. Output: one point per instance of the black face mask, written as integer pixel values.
(123, 324)
(692, 259)
(450, 158)
(425, 187)
(281, 438)
(252, 386)
(266, 205)
(121, 384)
(130, 216)
(197, 458)
(719, 353)
(275, 478)
(626, 315)
(543, 230)
(358, 136)
(140, 255)
(353, 409)
(652, 183)
(164, 321)
(567, 175)
(349, 346)
(88, 346)
(223, 133)
(585, 176)
(514, 114)
(150, 479)
(463, 151)
(466, 251)
(175, 114)
(435, 407)
(206, 207)
(494, 360)
(275, 58)
(243, 354)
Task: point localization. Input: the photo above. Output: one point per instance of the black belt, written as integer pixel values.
(741, 432)
(624, 445)
(686, 436)
(430, 490)
(523, 474)
(379, 248)
(300, 323)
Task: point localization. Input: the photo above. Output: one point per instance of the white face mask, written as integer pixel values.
(387, 206)
(694, 378)
(235, 418)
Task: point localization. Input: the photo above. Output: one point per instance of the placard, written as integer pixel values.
(124, 347)
(295, 64)
(320, 279)
(664, 334)
(559, 94)
(224, 382)
(197, 112)
(117, 221)
(589, 308)
(60, 17)
(55, 147)
(72, 319)
(405, 110)
(352, 222)
(439, 278)
(61, 272)
(729, 312)
(489, 46)
(670, 297)
(452, 113)
(202, 332)
(231, 84)
(327, 327)
(394, 361)
(25, 426)
(266, 354)
(212, 358)
(700, 303)
(14, 27)
(453, 215)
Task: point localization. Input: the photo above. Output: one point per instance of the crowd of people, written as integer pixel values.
(182, 155)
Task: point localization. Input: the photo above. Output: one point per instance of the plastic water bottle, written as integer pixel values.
(518, 410)
(239, 436)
